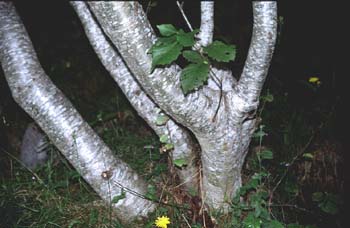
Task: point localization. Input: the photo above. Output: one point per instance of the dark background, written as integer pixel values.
(307, 46)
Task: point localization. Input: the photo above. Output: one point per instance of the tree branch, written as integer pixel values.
(259, 55)
(146, 108)
(47, 105)
(205, 35)
(180, 6)
(128, 28)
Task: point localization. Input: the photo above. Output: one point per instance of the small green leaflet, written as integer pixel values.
(266, 155)
(73, 223)
(329, 204)
(169, 146)
(268, 98)
(275, 224)
(164, 139)
(161, 119)
(193, 76)
(180, 162)
(151, 192)
(118, 197)
(317, 196)
(308, 155)
(167, 29)
(251, 221)
(193, 56)
(220, 51)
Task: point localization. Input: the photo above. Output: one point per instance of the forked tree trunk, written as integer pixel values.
(46, 104)
(184, 145)
(223, 134)
(224, 140)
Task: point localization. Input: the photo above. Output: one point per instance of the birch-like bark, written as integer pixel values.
(47, 105)
(223, 142)
(224, 150)
(260, 53)
(126, 25)
(206, 32)
(183, 143)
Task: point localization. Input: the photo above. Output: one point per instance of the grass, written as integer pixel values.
(55, 195)
(52, 196)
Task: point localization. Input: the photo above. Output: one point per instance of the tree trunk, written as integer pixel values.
(224, 140)
(47, 105)
(221, 119)
(184, 146)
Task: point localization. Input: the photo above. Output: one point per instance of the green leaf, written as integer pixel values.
(151, 192)
(180, 162)
(266, 155)
(308, 155)
(193, 76)
(251, 221)
(268, 98)
(167, 29)
(165, 40)
(164, 139)
(291, 186)
(165, 52)
(220, 51)
(274, 224)
(161, 119)
(260, 133)
(186, 39)
(317, 196)
(162, 41)
(169, 146)
(329, 204)
(94, 213)
(159, 168)
(193, 56)
(118, 197)
(73, 223)
(294, 225)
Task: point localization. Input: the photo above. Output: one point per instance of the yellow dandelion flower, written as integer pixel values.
(314, 80)
(162, 222)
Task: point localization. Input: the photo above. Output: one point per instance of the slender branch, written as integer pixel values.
(46, 104)
(180, 6)
(259, 54)
(187, 223)
(146, 108)
(207, 25)
(127, 26)
(205, 35)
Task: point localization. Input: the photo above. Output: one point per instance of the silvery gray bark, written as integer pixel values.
(206, 30)
(127, 27)
(224, 139)
(183, 144)
(46, 104)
